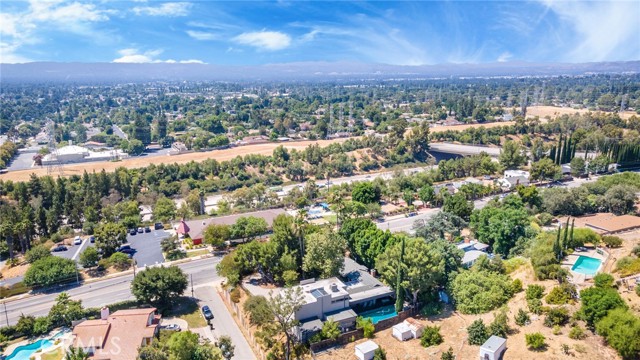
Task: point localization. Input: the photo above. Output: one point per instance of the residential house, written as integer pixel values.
(472, 251)
(117, 336)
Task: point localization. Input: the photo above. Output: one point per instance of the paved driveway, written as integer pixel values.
(147, 247)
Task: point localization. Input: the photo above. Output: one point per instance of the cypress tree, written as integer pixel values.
(571, 235)
(564, 243)
(557, 250)
(552, 153)
(558, 150)
(399, 290)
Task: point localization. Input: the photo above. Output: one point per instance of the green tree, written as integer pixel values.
(427, 194)
(164, 210)
(476, 292)
(366, 324)
(141, 130)
(621, 329)
(379, 354)
(418, 142)
(36, 253)
(458, 205)
(423, 267)
(512, 155)
(159, 286)
(109, 237)
(226, 347)
(49, 271)
(577, 166)
(89, 257)
(365, 192)
(135, 147)
(283, 307)
(399, 289)
(448, 355)
(324, 254)
(217, 234)
(74, 353)
(500, 325)
(248, 227)
(597, 301)
(620, 199)
(65, 311)
(522, 318)
(120, 261)
(545, 169)
(258, 308)
(477, 333)
(500, 227)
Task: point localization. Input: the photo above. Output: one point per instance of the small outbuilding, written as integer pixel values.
(401, 332)
(415, 326)
(366, 350)
(493, 348)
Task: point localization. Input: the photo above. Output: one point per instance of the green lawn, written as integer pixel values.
(197, 253)
(54, 355)
(332, 219)
(188, 311)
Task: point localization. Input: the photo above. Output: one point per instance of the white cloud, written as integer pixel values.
(131, 55)
(601, 30)
(8, 55)
(264, 40)
(504, 57)
(172, 9)
(202, 35)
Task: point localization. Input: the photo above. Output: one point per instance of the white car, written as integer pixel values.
(77, 240)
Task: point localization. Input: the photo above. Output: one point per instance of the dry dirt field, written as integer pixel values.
(142, 161)
(453, 328)
(553, 111)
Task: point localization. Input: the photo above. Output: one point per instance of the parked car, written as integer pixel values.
(158, 226)
(92, 239)
(126, 249)
(207, 313)
(132, 232)
(140, 230)
(77, 240)
(59, 248)
(172, 327)
(147, 229)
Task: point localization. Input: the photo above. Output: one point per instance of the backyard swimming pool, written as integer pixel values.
(25, 352)
(586, 265)
(380, 314)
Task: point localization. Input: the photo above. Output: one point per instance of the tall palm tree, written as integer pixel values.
(76, 354)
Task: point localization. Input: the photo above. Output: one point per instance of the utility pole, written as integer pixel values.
(191, 276)
(5, 313)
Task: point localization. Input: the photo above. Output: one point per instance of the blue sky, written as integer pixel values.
(261, 32)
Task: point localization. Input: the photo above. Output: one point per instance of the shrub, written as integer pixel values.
(534, 292)
(636, 250)
(621, 329)
(500, 325)
(580, 348)
(556, 316)
(36, 253)
(235, 295)
(577, 333)
(535, 306)
(545, 218)
(561, 294)
(628, 265)
(89, 257)
(557, 330)
(477, 333)
(522, 318)
(330, 330)
(511, 265)
(535, 341)
(448, 355)
(638, 290)
(25, 325)
(41, 326)
(379, 354)
(565, 349)
(258, 309)
(516, 286)
(612, 241)
(366, 325)
(603, 280)
(431, 336)
(597, 301)
(120, 261)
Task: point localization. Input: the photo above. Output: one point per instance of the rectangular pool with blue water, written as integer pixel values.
(379, 314)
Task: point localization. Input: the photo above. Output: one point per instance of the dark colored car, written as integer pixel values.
(158, 226)
(92, 239)
(59, 248)
(147, 229)
(132, 232)
(126, 249)
(207, 313)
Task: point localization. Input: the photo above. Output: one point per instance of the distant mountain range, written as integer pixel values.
(309, 71)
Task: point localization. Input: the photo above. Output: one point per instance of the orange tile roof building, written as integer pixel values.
(117, 336)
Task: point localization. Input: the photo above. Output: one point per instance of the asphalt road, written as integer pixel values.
(223, 323)
(147, 246)
(102, 292)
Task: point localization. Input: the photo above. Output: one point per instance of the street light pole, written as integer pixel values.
(5, 313)
(191, 276)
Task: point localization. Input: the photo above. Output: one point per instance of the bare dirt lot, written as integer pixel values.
(142, 161)
(553, 111)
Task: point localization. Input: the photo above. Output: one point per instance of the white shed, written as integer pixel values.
(365, 350)
(401, 332)
(415, 326)
(492, 349)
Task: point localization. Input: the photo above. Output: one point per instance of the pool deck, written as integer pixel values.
(570, 260)
(65, 340)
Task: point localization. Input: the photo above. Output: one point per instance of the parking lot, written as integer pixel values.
(74, 251)
(147, 247)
